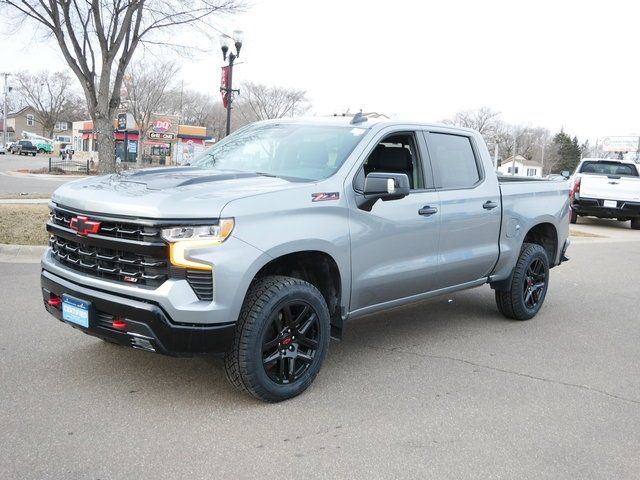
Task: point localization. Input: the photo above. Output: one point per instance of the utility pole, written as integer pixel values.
(4, 110)
(544, 143)
(515, 150)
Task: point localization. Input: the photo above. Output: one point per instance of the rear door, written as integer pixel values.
(470, 209)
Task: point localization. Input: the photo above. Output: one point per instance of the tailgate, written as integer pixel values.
(610, 188)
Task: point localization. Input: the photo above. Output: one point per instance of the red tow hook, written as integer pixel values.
(54, 301)
(119, 324)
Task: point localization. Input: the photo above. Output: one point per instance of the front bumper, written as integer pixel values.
(148, 326)
(595, 208)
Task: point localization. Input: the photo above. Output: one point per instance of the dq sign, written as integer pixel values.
(163, 127)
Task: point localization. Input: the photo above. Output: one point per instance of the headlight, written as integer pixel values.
(217, 233)
(184, 239)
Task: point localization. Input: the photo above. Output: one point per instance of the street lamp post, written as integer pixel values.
(228, 90)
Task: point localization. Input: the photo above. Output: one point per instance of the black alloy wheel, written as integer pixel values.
(534, 284)
(291, 342)
(528, 285)
(281, 340)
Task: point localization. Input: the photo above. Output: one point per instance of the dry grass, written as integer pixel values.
(24, 224)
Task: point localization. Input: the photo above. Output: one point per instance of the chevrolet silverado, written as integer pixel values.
(282, 233)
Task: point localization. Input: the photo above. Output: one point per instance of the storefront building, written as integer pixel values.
(166, 142)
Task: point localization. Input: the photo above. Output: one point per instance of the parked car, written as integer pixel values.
(281, 233)
(3, 150)
(44, 147)
(24, 147)
(66, 150)
(606, 188)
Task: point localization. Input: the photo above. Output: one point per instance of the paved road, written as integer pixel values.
(444, 389)
(10, 183)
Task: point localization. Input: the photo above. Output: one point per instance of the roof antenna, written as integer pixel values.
(358, 118)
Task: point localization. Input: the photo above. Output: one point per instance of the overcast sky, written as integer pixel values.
(549, 63)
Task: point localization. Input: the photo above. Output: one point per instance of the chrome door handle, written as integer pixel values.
(489, 205)
(427, 211)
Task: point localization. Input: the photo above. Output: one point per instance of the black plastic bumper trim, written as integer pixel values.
(144, 319)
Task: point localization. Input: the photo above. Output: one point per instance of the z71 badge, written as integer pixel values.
(325, 196)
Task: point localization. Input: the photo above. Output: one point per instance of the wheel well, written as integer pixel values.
(317, 268)
(545, 235)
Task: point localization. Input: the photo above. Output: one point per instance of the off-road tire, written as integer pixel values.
(243, 364)
(511, 303)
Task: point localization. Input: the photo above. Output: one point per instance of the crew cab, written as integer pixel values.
(24, 147)
(606, 188)
(278, 236)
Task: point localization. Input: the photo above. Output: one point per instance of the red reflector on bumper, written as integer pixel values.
(54, 301)
(119, 324)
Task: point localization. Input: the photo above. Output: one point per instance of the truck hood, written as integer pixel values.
(165, 193)
(613, 187)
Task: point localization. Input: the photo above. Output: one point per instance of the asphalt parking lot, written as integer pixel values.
(443, 389)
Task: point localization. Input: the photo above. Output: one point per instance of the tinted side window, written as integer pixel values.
(452, 156)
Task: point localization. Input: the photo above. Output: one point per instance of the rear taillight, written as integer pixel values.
(575, 189)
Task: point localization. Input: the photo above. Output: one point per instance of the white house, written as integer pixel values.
(523, 167)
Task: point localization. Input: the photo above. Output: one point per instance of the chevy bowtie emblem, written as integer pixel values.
(84, 226)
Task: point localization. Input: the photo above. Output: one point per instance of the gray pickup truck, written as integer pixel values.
(278, 235)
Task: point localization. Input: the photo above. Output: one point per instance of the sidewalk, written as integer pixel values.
(21, 253)
(42, 176)
(24, 201)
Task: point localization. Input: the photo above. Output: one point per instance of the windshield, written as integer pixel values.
(292, 151)
(609, 168)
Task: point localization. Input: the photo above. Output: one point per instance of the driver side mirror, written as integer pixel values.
(566, 173)
(383, 186)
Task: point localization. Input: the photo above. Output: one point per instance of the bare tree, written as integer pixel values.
(262, 102)
(196, 108)
(52, 96)
(144, 86)
(484, 120)
(99, 37)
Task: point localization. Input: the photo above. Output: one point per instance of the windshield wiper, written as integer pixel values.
(263, 174)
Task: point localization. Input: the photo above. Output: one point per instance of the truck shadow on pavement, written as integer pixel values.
(201, 380)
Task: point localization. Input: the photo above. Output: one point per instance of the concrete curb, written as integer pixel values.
(21, 253)
(43, 176)
(24, 201)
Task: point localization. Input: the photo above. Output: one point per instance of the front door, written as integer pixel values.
(394, 247)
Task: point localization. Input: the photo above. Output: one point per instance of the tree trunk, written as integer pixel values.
(142, 130)
(103, 125)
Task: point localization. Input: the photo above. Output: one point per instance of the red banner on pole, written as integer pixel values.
(224, 86)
